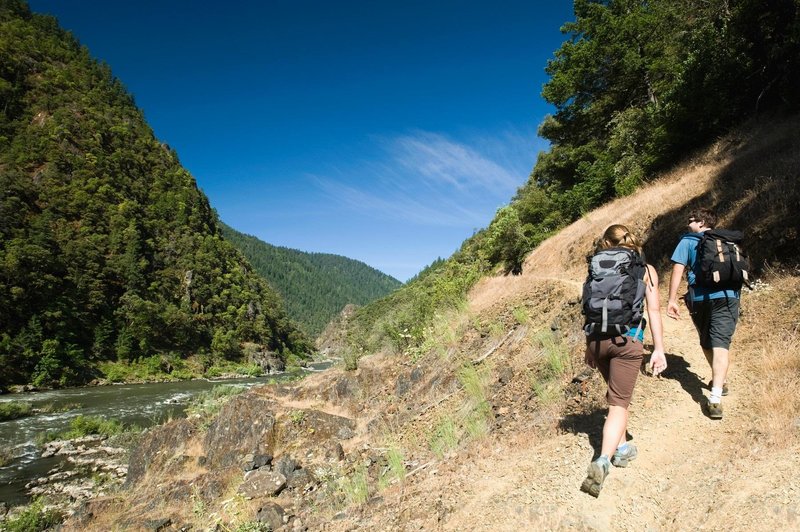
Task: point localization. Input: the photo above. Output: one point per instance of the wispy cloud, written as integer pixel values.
(443, 161)
(429, 179)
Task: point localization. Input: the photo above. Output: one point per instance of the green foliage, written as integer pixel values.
(108, 250)
(477, 411)
(521, 314)
(356, 487)
(5, 457)
(14, 409)
(165, 367)
(399, 321)
(207, 404)
(554, 352)
(314, 286)
(637, 84)
(554, 355)
(89, 425)
(396, 464)
(444, 437)
(34, 518)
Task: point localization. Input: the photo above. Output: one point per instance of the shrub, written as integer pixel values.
(356, 487)
(14, 410)
(82, 426)
(207, 404)
(34, 518)
(444, 437)
(5, 457)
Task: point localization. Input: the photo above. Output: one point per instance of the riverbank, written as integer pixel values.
(143, 405)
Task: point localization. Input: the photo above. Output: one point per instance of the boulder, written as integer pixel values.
(244, 425)
(256, 461)
(262, 483)
(271, 515)
(300, 480)
(285, 465)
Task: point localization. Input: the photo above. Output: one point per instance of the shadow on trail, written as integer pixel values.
(589, 423)
(678, 369)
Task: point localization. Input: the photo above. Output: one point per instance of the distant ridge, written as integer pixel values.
(315, 286)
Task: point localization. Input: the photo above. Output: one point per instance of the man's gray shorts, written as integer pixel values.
(715, 320)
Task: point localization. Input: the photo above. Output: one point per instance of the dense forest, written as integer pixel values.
(636, 85)
(315, 286)
(108, 250)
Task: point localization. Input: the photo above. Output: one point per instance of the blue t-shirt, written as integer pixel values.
(686, 253)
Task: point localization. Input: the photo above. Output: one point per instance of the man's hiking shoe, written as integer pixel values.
(595, 475)
(724, 388)
(623, 458)
(714, 410)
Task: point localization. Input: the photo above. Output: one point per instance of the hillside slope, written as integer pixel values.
(314, 286)
(494, 426)
(108, 249)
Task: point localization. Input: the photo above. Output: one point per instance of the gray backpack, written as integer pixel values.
(613, 294)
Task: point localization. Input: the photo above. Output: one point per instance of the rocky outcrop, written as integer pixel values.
(156, 447)
(244, 426)
(269, 362)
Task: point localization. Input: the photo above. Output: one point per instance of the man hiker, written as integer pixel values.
(714, 308)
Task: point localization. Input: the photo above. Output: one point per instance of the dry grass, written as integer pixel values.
(767, 350)
(776, 398)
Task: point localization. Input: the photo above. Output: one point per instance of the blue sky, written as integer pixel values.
(387, 132)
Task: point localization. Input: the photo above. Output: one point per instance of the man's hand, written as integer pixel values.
(673, 310)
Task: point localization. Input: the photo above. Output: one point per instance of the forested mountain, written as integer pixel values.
(108, 250)
(636, 86)
(314, 286)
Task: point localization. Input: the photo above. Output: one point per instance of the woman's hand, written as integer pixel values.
(658, 362)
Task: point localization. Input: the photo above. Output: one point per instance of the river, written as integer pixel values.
(133, 404)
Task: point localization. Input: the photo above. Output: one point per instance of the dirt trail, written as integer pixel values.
(687, 475)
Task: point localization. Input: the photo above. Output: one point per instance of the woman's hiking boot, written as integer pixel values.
(623, 457)
(595, 475)
(714, 410)
(724, 388)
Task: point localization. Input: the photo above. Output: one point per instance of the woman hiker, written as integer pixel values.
(615, 331)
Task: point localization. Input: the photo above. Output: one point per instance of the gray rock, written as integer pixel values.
(333, 451)
(262, 483)
(300, 480)
(244, 425)
(402, 385)
(506, 374)
(157, 525)
(156, 447)
(270, 514)
(285, 465)
(345, 433)
(253, 461)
